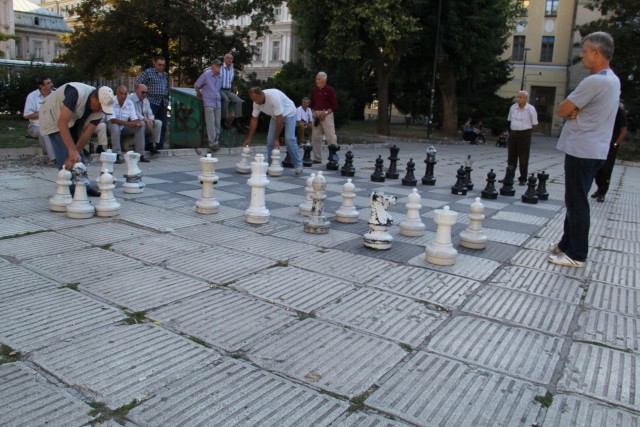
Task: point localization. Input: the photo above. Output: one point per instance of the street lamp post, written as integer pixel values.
(524, 67)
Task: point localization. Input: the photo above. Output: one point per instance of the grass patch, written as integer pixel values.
(13, 133)
(406, 347)
(103, 413)
(73, 286)
(302, 315)
(28, 233)
(241, 356)
(599, 344)
(357, 402)
(8, 355)
(135, 318)
(198, 341)
(106, 247)
(280, 264)
(546, 400)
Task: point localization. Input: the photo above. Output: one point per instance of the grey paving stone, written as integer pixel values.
(432, 390)
(79, 266)
(472, 267)
(39, 244)
(400, 251)
(294, 288)
(353, 268)
(622, 246)
(517, 352)
(49, 316)
(169, 201)
(156, 249)
(215, 234)
(16, 281)
(234, 394)
(105, 233)
(384, 314)
(568, 410)
(157, 219)
(25, 206)
(330, 357)
(538, 260)
(17, 227)
(612, 329)
(508, 237)
(360, 419)
(138, 361)
(144, 288)
(29, 400)
(58, 220)
(218, 265)
(224, 318)
(617, 299)
(542, 283)
(435, 287)
(628, 260)
(272, 227)
(615, 275)
(515, 227)
(270, 247)
(602, 373)
(520, 308)
(520, 217)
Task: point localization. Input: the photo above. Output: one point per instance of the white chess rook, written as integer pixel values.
(348, 214)
(474, 237)
(275, 168)
(413, 225)
(441, 251)
(244, 166)
(207, 203)
(107, 205)
(59, 201)
(133, 174)
(304, 208)
(80, 207)
(258, 212)
(108, 158)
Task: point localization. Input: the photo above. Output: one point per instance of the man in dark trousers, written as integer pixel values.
(603, 176)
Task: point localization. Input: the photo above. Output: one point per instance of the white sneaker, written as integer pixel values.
(565, 261)
(554, 249)
(298, 171)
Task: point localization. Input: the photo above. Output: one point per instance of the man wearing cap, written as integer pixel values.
(208, 88)
(69, 116)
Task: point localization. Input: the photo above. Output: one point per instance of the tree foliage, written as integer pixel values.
(116, 35)
(622, 20)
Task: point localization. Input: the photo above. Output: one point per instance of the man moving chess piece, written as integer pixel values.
(69, 116)
(124, 122)
(31, 112)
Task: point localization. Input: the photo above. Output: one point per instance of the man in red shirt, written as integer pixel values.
(323, 103)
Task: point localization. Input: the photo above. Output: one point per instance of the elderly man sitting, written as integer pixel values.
(150, 125)
(125, 121)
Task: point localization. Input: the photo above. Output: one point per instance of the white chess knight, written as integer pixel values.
(275, 168)
(441, 251)
(59, 201)
(133, 174)
(107, 205)
(207, 203)
(258, 212)
(244, 166)
(379, 221)
(413, 225)
(80, 207)
(348, 214)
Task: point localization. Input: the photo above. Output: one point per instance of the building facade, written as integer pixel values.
(39, 32)
(7, 26)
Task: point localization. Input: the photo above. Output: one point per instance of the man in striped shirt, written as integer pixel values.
(157, 82)
(228, 74)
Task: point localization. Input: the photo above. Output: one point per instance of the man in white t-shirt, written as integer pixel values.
(124, 121)
(304, 120)
(523, 118)
(32, 113)
(282, 110)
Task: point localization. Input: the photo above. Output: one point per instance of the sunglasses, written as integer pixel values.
(144, 93)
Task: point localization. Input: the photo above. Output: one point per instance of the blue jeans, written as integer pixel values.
(579, 174)
(160, 113)
(289, 138)
(60, 150)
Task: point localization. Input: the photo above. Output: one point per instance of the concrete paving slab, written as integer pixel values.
(28, 399)
(517, 352)
(40, 319)
(330, 357)
(628, 260)
(157, 219)
(603, 373)
(16, 281)
(523, 309)
(538, 260)
(17, 227)
(360, 419)
(617, 299)
(156, 249)
(223, 318)
(105, 233)
(58, 220)
(431, 390)
(39, 244)
(542, 283)
(612, 329)
(235, 394)
(167, 201)
(384, 314)
(571, 410)
(468, 266)
(138, 361)
(25, 206)
(615, 275)
(270, 247)
(333, 238)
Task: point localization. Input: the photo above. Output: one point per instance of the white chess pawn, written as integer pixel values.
(441, 251)
(107, 204)
(133, 174)
(244, 166)
(258, 212)
(80, 207)
(347, 213)
(474, 237)
(207, 203)
(413, 225)
(317, 223)
(275, 168)
(304, 208)
(59, 201)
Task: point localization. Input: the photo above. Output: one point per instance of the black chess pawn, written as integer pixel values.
(347, 168)
(333, 163)
(286, 163)
(460, 188)
(306, 158)
(531, 196)
(507, 182)
(410, 179)
(429, 178)
(542, 186)
(392, 173)
(490, 191)
(378, 174)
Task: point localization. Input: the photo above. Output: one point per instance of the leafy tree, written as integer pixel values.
(116, 35)
(621, 20)
(6, 37)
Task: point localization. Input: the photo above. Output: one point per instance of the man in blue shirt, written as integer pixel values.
(157, 82)
(208, 88)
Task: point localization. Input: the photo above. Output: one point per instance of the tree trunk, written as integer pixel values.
(448, 80)
(383, 75)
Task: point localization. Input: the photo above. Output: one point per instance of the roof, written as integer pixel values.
(29, 7)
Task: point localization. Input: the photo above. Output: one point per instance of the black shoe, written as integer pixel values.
(143, 160)
(100, 149)
(522, 183)
(214, 148)
(119, 160)
(317, 161)
(600, 198)
(595, 195)
(92, 192)
(153, 149)
(501, 181)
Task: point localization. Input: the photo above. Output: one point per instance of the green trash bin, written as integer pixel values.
(188, 128)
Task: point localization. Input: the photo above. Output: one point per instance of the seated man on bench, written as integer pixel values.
(123, 122)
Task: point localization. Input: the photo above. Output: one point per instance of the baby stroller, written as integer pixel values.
(503, 139)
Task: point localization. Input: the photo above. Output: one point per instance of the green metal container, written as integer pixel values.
(188, 128)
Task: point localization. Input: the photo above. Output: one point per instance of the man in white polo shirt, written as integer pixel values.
(523, 118)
